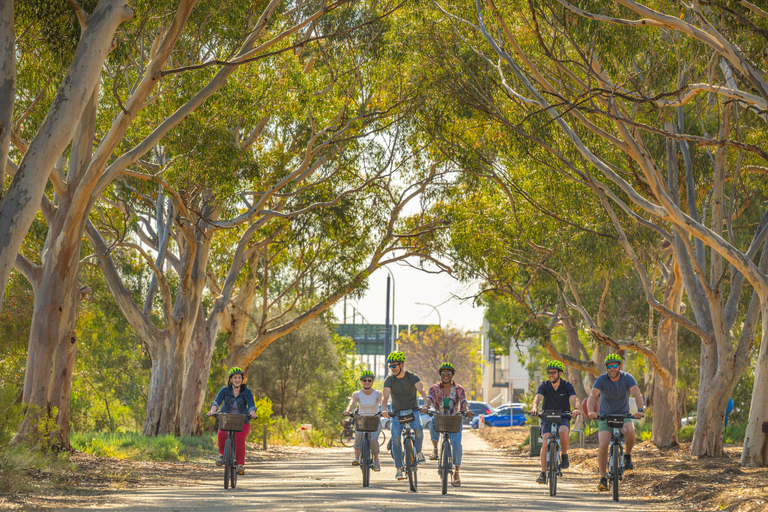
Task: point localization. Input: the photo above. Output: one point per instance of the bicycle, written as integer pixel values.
(615, 450)
(446, 424)
(406, 417)
(366, 424)
(553, 446)
(230, 423)
(347, 436)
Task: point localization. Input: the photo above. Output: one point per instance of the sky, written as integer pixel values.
(412, 286)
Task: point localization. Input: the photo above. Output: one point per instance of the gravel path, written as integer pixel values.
(325, 479)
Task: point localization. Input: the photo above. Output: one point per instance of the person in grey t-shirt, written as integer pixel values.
(403, 385)
(614, 386)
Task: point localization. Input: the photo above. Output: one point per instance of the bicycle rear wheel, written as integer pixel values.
(364, 462)
(616, 472)
(382, 437)
(445, 462)
(227, 462)
(552, 467)
(410, 464)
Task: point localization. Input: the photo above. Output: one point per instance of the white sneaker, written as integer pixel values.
(420, 458)
(399, 475)
(376, 466)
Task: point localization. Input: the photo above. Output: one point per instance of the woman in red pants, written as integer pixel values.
(235, 398)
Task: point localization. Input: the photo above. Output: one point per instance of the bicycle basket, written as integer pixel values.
(367, 423)
(615, 421)
(231, 422)
(406, 418)
(553, 417)
(446, 423)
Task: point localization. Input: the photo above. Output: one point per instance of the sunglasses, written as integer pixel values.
(394, 365)
(612, 365)
(446, 372)
(553, 372)
(367, 380)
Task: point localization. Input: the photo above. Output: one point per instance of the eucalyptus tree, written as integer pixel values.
(685, 86)
(128, 88)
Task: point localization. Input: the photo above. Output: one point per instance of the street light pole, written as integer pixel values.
(388, 330)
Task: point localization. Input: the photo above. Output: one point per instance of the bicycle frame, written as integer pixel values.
(615, 474)
(554, 418)
(409, 463)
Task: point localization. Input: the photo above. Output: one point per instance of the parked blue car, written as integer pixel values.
(505, 416)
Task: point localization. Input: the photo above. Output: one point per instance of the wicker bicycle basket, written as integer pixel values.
(231, 422)
(445, 423)
(367, 423)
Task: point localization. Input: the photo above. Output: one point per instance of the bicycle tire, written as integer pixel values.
(445, 461)
(410, 464)
(552, 467)
(227, 462)
(348, 439)
(616, 473)
(364, 462)
(382, 437)
(233, 474)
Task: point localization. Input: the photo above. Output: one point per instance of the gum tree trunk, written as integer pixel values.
(198, 364)
(755, 449)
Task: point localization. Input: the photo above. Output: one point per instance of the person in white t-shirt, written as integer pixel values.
(367, 401)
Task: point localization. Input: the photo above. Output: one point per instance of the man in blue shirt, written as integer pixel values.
(558, 395)
(615, 386)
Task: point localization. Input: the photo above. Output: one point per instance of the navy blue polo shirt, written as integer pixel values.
(556, 399)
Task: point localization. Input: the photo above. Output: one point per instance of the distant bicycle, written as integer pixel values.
(446, 424)
(230, 423)
(615, 450)
(553, 446)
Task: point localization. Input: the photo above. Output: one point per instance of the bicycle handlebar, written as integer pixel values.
(606, 416)
(432, 412)
(352, 414)
(564, 414)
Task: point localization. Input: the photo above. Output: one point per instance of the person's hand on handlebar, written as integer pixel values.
(212, 411)
(469, 413)
(385, 414)
(345, 413)
(592, 415)
(534, 411)
(424, 409)
(575, 413)
(253, 414)
(639, 415)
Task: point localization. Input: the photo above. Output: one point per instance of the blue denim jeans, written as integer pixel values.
(397, 440)
(455, 442)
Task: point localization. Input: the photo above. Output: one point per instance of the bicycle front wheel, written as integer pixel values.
(364, 462)
(233, 474)
(410, 464)
(347, 437)
(445, 463)
(382, 437)
(616, 473)
(227, 462)
(552, 468)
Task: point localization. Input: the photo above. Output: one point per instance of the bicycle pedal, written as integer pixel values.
(560, 474)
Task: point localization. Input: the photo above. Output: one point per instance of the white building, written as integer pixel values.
(505, 378)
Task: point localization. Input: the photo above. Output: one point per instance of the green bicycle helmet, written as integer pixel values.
(367, 373)
(446, 366)
(555, 365)
(613, 358)
(234, 371)
(396, 357)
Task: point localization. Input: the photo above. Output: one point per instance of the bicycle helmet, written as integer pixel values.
(446, 366)
(367, 373)
(613, 358)
(235, 370)
(555, 365)
(396, 357)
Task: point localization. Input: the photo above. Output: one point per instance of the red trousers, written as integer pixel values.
(239, 442)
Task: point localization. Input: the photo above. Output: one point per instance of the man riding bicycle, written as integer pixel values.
(402, 386)
(447, 397)
(367, 401)
(615, 386)
(558, 395)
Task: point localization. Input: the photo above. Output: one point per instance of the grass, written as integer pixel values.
(133, 446)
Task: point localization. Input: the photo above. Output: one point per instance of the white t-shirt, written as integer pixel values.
(368, 405)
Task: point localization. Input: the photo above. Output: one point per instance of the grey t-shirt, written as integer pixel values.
(403, 391)
(614, 395)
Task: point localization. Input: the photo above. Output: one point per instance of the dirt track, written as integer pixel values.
(325, 479)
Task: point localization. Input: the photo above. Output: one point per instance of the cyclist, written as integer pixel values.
(615, 386)
(402, 386)
(457, 401)
(235, 398)
(558, 395)
(368, 401)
